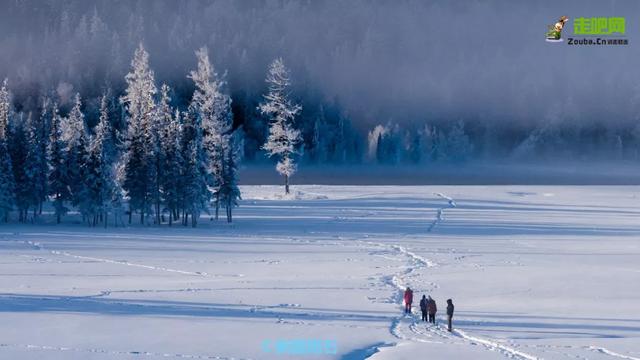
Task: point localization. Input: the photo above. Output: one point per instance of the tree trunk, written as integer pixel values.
(286, 184)
(130, 214)
(158, 220)
(217, 205)
(142, 216)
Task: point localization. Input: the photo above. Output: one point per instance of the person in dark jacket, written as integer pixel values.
(408, 299)
(423, 307)
(450, 313)
(432, 309)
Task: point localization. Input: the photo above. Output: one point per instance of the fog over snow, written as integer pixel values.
(405, 60)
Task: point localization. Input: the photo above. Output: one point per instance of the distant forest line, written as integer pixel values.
(376, 82)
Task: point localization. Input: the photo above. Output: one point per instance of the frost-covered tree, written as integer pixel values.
(283, 138)
(154, 137)
(36, 163)
(18, 151)
(459, 145)
(58, 174)
(228, 192)
(75, 136)
(195, 177)
(139, 104)
(213, 107)
(172, 163)
(7, 184)
(99, 176)
(37, 131)
(117, 196)
(385, 143)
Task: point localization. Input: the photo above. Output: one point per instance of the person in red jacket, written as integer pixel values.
(432, 309)
(408, 299)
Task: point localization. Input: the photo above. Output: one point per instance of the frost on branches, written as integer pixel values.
(213, 108)
(139, 104)
(7, 184)
(283, 138)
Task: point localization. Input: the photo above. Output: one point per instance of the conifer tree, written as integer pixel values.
(228, 193)
(58, 175)
(18, 151)
(75, 137)
(171, 159)
(139, 104)
(99, 176)
(213, 108)
(7, 184)
(283, 138)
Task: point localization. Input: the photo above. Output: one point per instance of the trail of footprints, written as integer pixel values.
(410, 328)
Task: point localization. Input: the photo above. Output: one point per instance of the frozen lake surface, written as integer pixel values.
(535, 272)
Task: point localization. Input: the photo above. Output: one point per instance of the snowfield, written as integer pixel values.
(535, 272)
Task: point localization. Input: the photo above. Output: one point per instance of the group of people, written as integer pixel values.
(428, 308)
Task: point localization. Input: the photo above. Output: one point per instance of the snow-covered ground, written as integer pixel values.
(535, 272)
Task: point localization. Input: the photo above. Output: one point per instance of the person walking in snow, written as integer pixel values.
(450, 313)
(408, 299)
(432, 309)
(423, 307)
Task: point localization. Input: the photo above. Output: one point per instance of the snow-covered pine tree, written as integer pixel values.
(116, 201)
(154, 134)
(75, 137)
(5, 109)
(459, 145)
(7, 184)
(195, 177)
(99, 177)
(58, 175)
(228, 192)
(171, 161)
(18, 150)
(283, 138)
(213, 107)
(37, 137)
(139, 104)
(36, 162)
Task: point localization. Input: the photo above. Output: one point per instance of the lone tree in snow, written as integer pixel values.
(283, 138)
